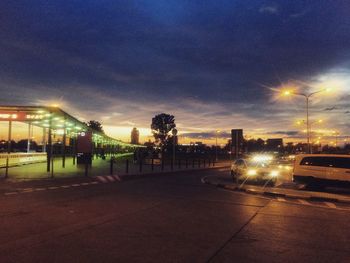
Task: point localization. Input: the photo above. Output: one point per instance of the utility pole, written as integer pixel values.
(174, 132)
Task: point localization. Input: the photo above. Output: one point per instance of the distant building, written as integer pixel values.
(135, 136)
(275, 145)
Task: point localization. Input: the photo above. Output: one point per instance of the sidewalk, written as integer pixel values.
(99, 167)
(35, 175)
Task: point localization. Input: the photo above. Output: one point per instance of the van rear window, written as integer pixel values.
(336, 162)
(315, 161)
(340, 162)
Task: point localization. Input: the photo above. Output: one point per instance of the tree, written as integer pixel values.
(162, 125)
(23, 144)
(95, 125)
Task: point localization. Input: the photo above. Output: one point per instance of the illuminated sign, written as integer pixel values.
(20, 116)
(8, 116)
(34, 116)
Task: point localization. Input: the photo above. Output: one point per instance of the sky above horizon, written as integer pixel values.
(214, 65)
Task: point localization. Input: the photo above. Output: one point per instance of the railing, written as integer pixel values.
(162, 165)
(15, 159)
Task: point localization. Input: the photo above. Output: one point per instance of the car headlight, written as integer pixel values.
(251, 172)
(274, 173)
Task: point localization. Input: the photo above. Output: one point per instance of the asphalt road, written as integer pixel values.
(173, 218)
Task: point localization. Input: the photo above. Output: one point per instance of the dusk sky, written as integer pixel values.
(215, 65)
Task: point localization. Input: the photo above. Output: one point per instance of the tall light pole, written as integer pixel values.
(216, 145)
(310, 130)
(336, 134)
(307, 97)
(174, 132)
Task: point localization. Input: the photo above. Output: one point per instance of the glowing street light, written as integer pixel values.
(336, 134)
(304, 122)
(307, 97)
(310, 125)
(287, 93)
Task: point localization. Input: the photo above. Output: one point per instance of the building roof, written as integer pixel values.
(56, 119)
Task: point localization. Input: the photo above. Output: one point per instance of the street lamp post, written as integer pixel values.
(216, 145)
(309, 129)
(307, 100)
(174, 132)
(336, 134)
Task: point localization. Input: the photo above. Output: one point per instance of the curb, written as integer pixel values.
(275, 194)
(128, 177)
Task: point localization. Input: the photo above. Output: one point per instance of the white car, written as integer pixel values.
(322, 168)
(252, 170)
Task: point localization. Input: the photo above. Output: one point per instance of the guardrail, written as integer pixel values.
(161, 164)
(15, 159)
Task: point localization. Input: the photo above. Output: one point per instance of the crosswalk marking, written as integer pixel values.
(117, 177)
(102, 179)
(110, 178)
(30, 190)
(304, 202)
(27, 191)
(11, 193)
(331, 205)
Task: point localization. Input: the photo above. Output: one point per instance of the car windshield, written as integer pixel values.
(259, 164)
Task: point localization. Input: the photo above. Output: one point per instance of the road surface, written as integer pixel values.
(173, 218)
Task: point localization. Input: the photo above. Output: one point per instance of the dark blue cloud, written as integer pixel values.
(207, 135)
(289, 133)
(214, 51)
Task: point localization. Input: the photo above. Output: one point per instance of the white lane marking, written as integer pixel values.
(94, 182)
(303, 202)
(11, 193)
(27, 191)
(281, 199)
(75, 185)
(85, 184)
(40, 189)
(102, 179)
(53, 187)
(110, 178)
(331, 205)
(65, 186)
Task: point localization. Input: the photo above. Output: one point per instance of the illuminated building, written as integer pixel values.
(54, 122)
